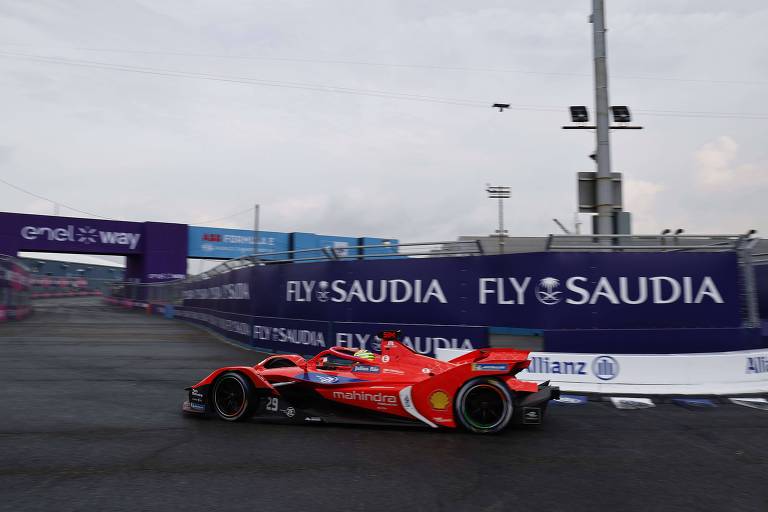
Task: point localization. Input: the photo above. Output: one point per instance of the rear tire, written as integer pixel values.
(232, 397)
(483, 405)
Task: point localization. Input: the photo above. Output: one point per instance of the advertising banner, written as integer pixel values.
(438, 300)
(221, 243)
(69, 234)
(422, 339)
(532, 290)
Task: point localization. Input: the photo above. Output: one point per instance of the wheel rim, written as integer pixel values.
(484, 406)
(229, 397)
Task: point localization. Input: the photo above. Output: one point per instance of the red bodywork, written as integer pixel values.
(398, 382)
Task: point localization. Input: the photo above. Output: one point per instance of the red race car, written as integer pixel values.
(477, 391)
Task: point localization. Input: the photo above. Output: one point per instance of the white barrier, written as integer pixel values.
(721, 373)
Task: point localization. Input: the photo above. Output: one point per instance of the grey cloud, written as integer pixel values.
(145, 147)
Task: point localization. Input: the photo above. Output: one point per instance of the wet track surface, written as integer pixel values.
(91, 421)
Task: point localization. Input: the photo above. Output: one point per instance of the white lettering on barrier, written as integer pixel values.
(419, 344)
(509, 290)
(577, 292)
(370, 290)
(82, 234)
(231, 291)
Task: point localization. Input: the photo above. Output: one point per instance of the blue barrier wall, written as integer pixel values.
(584, 302)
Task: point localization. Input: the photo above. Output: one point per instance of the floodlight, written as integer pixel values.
(579, 113)
(498, 192)
(621, 114)
(501, 106)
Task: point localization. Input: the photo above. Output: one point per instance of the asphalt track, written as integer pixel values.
(91, 421)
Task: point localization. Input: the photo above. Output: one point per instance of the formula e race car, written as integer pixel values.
(477, 391)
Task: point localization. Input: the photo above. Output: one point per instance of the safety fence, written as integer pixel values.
(14, 289)
(45, 287)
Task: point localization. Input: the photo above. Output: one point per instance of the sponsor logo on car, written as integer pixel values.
(439, 400)
(197, 406)
(363, 396)
(490, 367)
(363, 368)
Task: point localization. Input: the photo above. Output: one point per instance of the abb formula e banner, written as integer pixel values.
(225, 243)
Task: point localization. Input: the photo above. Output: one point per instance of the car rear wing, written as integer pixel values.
(516, 360)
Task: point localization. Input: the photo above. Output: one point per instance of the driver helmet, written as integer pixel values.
(365, 354)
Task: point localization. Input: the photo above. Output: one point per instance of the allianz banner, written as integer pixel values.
(531, 290)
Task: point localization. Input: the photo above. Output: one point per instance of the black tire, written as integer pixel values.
(483, 405)
(232, 397)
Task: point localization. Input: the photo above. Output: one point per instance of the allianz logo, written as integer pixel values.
(369, 290)
(602, 367)
(580, 290)
(757, 364)
(84, 235)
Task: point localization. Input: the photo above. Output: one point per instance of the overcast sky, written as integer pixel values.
(142, 145)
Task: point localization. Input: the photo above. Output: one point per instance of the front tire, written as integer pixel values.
(483, 405)
(232, 397)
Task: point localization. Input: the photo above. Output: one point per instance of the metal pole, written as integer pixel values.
(750, 288)
(604, 186)
(256, 230)
(501, 226)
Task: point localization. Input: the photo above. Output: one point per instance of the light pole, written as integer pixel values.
(605, 204)
(604, 186)
(500, 193)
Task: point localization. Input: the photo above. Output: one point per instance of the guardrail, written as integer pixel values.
(169, 291)
(655, 243)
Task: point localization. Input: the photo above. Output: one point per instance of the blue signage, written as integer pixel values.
(222, 243)
(436, 298)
